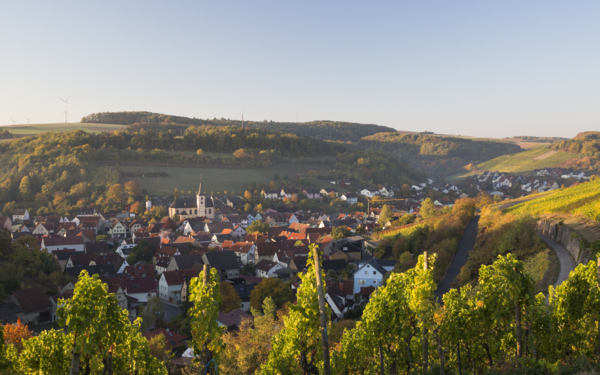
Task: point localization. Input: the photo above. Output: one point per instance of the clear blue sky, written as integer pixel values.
(481, 68)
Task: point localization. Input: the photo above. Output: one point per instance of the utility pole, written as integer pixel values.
(322, 311)
(425, 341)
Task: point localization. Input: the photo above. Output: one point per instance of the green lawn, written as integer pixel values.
(220, 180)
(61, 127)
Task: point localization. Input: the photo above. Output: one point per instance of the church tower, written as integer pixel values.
(200, 201)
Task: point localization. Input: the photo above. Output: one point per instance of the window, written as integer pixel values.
(374, 281)
(209, 211)
(361, 282)
(366, 272)
(374, 272)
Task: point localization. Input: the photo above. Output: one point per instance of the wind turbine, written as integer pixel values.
(65, 102)
(28, 118)
(14, 121)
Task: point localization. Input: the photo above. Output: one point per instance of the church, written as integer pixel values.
(201, 206)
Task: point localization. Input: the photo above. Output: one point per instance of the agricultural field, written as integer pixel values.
(219, 180)
(527, 161)
(583, 199)
(35, 129)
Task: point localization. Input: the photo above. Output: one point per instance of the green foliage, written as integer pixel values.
(581, 199)
(341, 232)
(248, 269)
(385, 215)
(258, 226)
(325, 130)
(428, 209)
(297, 348)
(280, 292)
(48, 353)
(206, 333)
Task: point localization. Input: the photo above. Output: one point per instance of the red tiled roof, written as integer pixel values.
(172, 338)
(176, 277)
(234, 317)
(32, 299)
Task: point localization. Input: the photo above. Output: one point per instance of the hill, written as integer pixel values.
(324, 130)
(586, 144)
(24, 130)
(527, 161)
(582, 199)
(438, 155)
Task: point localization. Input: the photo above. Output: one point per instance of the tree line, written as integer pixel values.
(324, 130)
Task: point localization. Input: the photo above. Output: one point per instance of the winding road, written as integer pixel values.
(467, 243)
(566, 262)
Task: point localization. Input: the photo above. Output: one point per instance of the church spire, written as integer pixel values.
(200, 186)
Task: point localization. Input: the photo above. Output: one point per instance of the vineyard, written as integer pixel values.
(583, 199)
(405, 230)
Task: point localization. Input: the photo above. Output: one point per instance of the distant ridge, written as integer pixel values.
(324, 129)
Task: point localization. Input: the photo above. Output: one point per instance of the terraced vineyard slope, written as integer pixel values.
(527, 161)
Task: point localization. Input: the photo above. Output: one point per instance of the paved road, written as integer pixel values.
(566, 262)
(170, 311)
(467, 242)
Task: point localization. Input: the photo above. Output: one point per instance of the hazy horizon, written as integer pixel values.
(469, 68)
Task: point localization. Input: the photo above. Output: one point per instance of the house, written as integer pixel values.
(40, 229)
(371, 274)
(140, 270)
(288, 193)
(20, 215)
(60, 243)
(369, 193)
(217, 228)
(339, 297)
(234, 201)
(270, 194)
(243, 290)
(173, 339)
(117, 230)
(233, 319)
(35, 305)
(329, 192)
(312, 193)
(184, 262)
(349, 198)
(201, 206)
(244, 251)
(5, 223)
(171, 282)
(239, 231)
(140, 288)
(96, 247)
(225, 262)
(266, 268)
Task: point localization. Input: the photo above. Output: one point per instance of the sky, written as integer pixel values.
(478, 68)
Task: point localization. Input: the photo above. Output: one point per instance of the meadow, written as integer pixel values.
(219, 180)
(35, 129)
(527, 161)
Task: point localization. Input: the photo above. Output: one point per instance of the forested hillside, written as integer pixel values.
(437, 155)
(325, 130)
(56, 171)
(586, 144)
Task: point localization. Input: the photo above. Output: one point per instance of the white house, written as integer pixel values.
(385, 192)
(270, 194)
(369, 193)
(350, 198)
(266, 268)
(51, 244)
(371, 274)
(171, 282)
(244, 251)
(239, 231)
(141, 288)
(117, 230)
(20, 214)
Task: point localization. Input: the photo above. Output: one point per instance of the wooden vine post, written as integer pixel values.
(322, 312)
(425, 342)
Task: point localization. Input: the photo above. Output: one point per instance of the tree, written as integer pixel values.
(279, 291)
(206, 334)
(269, 308)
(94, 318)
(259, 208)
(47, 353)
(133, 189)
(247, 207)
(199, 152)
(248, 269)
(247, 195)
(296, 349)
(159, 349)
(115, 193)
(16, 334)
(340, 232)
(257, 226)
(149, 312)
(25, 189)
(428, 209)
(231, 299)
(385, 215)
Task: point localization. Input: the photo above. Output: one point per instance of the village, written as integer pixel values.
(146, 263)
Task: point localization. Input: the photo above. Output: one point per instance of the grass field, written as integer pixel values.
(61, 127)
(220, 180)
(527, 161)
